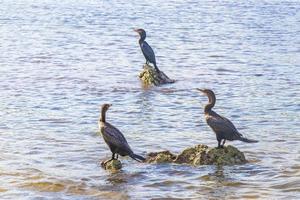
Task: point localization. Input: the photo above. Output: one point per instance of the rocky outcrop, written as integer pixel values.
(160, 157)
(112, 165)
(200, 155)
(149, 76)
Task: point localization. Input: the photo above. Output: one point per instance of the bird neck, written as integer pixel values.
(142, 39)
(103, 112)
(211, 103)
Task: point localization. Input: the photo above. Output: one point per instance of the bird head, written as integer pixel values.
(207, 92)
(105, 107)
(211, 99)
(141, 32)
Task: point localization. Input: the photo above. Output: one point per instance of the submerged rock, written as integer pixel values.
(200, 155)
(150, 76)
(112, 165)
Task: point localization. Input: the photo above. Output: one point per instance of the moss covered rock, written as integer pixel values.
(228, 155)
(200, 155)
(112, 165)
(190, 154)
(160, 157)
(150, 76)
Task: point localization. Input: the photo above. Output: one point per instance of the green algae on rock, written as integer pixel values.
(150, 76)
(112, 165)
(200, 155)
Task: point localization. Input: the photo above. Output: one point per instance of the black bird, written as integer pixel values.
(224, 129)
(115, 139)
(146, 49)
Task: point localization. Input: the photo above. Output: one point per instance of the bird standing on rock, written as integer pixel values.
(114, 138)
(146, 48)
(223, 127)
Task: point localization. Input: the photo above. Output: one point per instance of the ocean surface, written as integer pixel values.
(61, 60)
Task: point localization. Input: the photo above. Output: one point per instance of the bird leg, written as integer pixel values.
(117, 156)
(112, 158)
(223, 143)
(219, 144)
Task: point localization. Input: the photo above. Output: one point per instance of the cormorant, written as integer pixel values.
(224, 129)
(115, 139)
(146, 49)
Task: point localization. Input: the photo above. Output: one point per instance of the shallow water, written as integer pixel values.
(60, 60)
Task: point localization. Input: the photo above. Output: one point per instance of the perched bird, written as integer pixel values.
(115, 139)
(224, 129)
(146, 49)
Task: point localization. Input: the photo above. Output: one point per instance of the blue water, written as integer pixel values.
(60, 60)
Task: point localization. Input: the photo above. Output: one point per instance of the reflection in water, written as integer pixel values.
(118, 178)
(215, 183)
(144, 101)
(119, 183)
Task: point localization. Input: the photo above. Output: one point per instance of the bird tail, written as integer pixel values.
(137, 157)
(247, 140)
(156, 68)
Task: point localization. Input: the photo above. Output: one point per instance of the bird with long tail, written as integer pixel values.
(223, 127)
(146, 48)
(115, 140)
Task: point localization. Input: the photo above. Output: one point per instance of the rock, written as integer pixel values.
(150, 76)
(190, 154)
(200, 155)
(112, 165)
(228, 155)
(160, 157)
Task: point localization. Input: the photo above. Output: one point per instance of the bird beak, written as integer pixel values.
(200, 90)
(135, 30)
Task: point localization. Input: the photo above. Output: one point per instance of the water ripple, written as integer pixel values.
(61, 60)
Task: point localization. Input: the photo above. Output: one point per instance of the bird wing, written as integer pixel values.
(148, 52)
(222, 125)
(113, 136)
